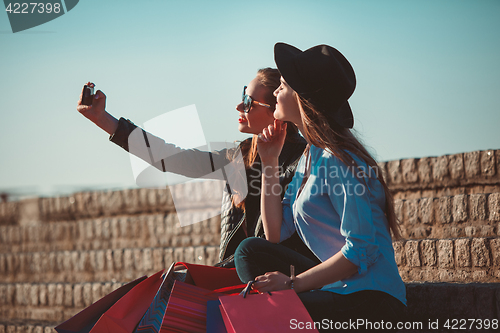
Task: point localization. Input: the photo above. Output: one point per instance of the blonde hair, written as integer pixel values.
(327, 134)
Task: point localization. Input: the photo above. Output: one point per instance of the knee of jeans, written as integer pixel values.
(247, 246)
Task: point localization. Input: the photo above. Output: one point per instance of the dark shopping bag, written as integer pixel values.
(215, 322)
(210, 277)
(85, 320)
(152, 319)
(267, 312)
(187, 308)
(126, 313)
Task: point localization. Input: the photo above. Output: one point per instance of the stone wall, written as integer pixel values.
(60, 254)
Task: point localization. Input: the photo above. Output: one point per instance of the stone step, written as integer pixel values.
(464, 173)
(428, 304)
(49, 303)
(475, 215)
(98, 265)
(136, 231)
(84, 205)
(447, 260)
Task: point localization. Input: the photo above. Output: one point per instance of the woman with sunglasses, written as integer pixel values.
(238, 219)
(337, 201)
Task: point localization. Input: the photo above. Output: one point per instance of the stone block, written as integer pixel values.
(3, 294)
(43, 294)
(199, 255)
(34, 294)
(472, 164)
(494, 206)
(212, 253)
(112, 202)
(444, 210)
(428, 250)
(87, 294)
(410, 171)
(96, 292)
(59, 299)
(169, 257)
(109, 260)
(411, 211)
(456, 166)
(462, 252)
(138, 259)
(21, 294)
(117, 260)
(460, 208)
(158, 259)
(68, 295)
(78, 296)
(394, 172)
(179, 254)
(445, 253)
(100, 259)
(147, 259)
(426, 210)
(495, 251)
(412, 253)
(128, 260)
(477, 204)
(488, 163)
(440, 168)
(480, 253)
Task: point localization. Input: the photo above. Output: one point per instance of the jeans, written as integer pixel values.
(359, 311)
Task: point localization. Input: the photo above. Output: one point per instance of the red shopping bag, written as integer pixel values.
(212, 278)
(187, 309)
(274, 312)
(126, 313)
(84, 320)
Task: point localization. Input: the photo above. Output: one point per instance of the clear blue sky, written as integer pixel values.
(428, 77)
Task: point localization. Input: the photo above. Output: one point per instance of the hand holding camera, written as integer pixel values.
(93, 107)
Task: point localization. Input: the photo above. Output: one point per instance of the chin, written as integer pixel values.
(244, 129)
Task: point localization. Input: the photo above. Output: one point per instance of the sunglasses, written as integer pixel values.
(248, 101)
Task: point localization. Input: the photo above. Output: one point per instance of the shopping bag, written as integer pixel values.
(212, 278)
(152, 319)
(267, 312)
(215, 322)
(187, 308)
(126, 313)
(85, 320)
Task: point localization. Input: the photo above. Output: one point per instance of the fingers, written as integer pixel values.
(99, 94)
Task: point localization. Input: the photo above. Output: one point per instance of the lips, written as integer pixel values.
(242, 120)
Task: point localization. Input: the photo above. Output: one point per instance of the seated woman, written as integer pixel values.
(337, 202)
(256, 113)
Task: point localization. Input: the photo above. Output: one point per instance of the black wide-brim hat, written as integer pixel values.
(322, 75)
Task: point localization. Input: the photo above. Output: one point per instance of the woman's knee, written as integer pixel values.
(249, 245)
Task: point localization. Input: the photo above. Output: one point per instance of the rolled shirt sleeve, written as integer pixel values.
(354, 208)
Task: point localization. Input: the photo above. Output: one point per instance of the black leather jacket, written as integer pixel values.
(236, 223)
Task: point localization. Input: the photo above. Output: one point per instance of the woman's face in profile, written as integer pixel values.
(287, 108)
(258, 117)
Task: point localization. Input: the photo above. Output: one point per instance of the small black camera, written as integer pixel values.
(88, 95)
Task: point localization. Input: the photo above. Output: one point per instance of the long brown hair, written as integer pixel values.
(326, 134)
(269, 78)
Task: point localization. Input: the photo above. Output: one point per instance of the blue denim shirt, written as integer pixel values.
(337, 211)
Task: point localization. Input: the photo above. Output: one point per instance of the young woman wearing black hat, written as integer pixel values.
(337, 201)
(238, 219)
